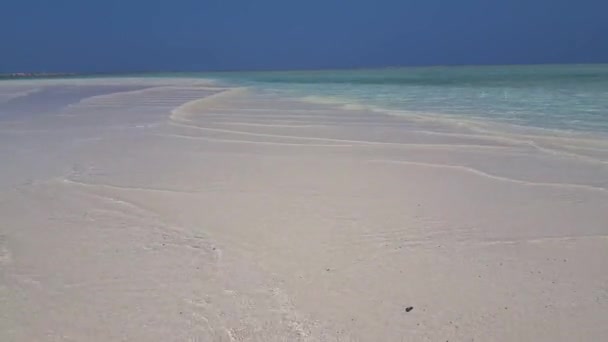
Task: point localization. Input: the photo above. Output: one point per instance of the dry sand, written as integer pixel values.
(174, 210)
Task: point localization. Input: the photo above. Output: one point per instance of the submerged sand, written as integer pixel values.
(177, 210)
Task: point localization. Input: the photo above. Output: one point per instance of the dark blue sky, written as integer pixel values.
(181, 35)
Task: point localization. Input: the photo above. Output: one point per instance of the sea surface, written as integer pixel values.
(567, 98)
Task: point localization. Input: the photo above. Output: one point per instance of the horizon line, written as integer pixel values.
(56, 74)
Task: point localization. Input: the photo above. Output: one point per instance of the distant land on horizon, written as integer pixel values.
(19, 75)
(26, 75)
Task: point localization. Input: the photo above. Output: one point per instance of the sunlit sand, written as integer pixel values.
(177, 210)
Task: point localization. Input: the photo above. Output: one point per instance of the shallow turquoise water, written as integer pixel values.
(564, 97)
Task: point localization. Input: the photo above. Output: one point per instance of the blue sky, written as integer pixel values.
(183, 35)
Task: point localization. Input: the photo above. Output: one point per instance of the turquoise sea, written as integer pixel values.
(571, 98)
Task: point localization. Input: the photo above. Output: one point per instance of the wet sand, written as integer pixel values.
(177, 210)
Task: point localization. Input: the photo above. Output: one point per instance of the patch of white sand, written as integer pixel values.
(181, 211)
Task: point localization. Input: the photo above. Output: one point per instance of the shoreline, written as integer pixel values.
(185, 210)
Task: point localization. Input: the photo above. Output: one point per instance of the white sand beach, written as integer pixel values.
(179, 210)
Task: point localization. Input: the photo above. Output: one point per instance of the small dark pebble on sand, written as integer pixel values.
(409, 308)
(328, 269)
